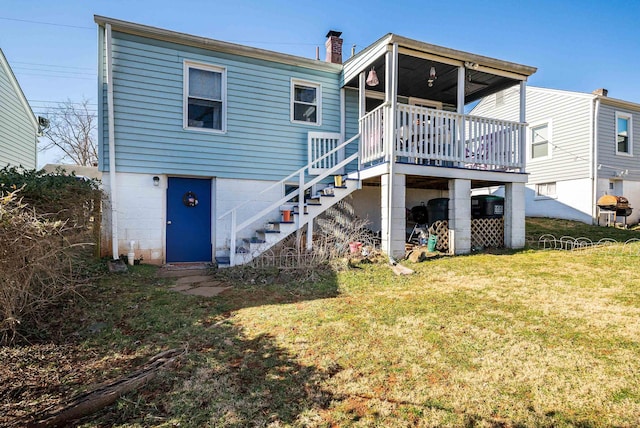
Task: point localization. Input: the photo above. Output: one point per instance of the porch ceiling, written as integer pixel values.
(413, 73)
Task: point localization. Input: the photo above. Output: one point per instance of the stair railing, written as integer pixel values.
(300, 191)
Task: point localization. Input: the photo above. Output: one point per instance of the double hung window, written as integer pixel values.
(204, 97)
(540, 146)
(306, 102)
(624, 134)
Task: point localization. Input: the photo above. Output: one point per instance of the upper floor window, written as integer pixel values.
(624, 134)
(204, 97)
(306, 102)
(540, 141)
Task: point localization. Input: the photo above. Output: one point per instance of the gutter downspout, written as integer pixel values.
(595, 107)
(112, 147)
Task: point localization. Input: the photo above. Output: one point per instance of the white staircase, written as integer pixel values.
(304, 211)
(278, 230)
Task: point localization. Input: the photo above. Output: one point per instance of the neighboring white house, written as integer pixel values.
(580, 147)
(18, 125)
(201, 141)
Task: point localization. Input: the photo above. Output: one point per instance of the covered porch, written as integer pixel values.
(413, 127)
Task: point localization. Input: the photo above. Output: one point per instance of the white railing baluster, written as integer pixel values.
(437, 135)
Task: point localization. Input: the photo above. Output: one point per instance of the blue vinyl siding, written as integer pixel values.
(17, 131)
(351, 119)
(260, 142)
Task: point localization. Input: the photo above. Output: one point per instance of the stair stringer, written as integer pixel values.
(284, 230)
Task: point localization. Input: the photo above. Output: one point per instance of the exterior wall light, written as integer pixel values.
(156, 181)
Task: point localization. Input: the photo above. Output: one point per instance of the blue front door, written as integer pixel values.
(188, 220)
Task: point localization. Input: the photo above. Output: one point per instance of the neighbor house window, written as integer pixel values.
(306, 105)
(624, 134)
(204, 97)
(540, 141)
(546, 190)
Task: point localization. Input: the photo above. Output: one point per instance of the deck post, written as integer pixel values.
(461, 82)
(393, 240)
(394, 192)
(514, 218)
(523, 119)
(460, 215)
(460, 137)
(362, 110)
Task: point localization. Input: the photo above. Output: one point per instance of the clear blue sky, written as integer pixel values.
(576, 45)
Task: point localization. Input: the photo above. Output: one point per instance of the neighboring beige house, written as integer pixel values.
(78, 170)
(580, 146)
(19, 129)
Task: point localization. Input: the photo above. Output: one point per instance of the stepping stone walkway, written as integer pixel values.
(193, 279)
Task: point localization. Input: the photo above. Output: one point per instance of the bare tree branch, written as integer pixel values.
(73, 130)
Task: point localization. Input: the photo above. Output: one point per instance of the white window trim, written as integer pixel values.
(629, 117)
(549, 124)
(185, 95)
(318, 87)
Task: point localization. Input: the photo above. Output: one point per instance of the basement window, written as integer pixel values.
(546, 190)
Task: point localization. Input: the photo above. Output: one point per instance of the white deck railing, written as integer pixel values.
(372, 130)
(436, 137)
(319, 144)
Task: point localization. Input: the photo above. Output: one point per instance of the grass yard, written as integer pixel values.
(525, 339)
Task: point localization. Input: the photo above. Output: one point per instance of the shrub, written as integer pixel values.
(45, 222)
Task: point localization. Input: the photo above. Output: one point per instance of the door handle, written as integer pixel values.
(168, 221)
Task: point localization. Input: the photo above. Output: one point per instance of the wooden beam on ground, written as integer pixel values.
(93, 401)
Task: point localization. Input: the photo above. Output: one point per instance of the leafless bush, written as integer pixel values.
(290, 261)
(336, 229)
(37, 263)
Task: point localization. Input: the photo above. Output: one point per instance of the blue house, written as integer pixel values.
(203, 142)
(18, 125)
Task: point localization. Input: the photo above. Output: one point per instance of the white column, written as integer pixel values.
(514, 218)
(362, 97)
(523, 101)
(459, 216)
(395, 190)
(461, 82)
(523, 129)
(394, 231)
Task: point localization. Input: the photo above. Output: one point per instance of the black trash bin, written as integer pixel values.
(438, 209)
(487, 206)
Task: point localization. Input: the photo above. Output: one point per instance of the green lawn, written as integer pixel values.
(527, 339)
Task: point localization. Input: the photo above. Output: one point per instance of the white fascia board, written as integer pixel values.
(575, 94)
(215, 45)
(362, 61)
(615, 102)
(493, 63)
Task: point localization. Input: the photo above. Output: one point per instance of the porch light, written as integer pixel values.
(432, 76)
(156, 181)
(372, 78)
